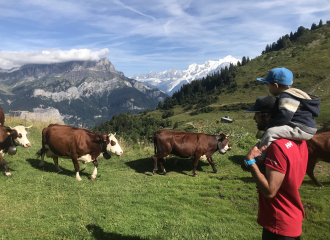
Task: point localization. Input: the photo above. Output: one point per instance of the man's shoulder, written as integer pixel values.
(289, 143)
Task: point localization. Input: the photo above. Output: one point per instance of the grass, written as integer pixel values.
(127, 202)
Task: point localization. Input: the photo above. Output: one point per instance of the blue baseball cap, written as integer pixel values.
(278, 75)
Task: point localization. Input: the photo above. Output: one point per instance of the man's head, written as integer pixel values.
(278, 80)
(263, 109)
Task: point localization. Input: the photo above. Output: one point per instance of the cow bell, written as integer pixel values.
(12, 150)
(106, 155)
(222, 151)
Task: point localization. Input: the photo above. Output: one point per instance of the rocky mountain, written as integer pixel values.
(171, 80)
(77, 92)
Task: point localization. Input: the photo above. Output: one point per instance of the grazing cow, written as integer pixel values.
(2, 117)
(77, 144)
(7, 137)
(186, 144)
(318, 147)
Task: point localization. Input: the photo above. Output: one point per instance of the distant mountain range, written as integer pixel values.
(77, 92)
(171, 80)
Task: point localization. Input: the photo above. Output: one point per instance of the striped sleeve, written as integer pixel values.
(288, 104)
(287, 108)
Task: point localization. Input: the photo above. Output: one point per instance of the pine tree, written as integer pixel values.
(160, 105)
(243, 60)
(320, 23)
(313, 27)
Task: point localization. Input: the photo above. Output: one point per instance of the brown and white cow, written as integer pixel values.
(318, 148)
(187, 144)
(77, 144)
(7, 138)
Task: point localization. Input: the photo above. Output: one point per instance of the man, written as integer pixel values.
(280, 210)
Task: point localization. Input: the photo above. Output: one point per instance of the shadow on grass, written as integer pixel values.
(237, 159)
(50, 167)
(313, 184)
(178, 165)
(99, 234)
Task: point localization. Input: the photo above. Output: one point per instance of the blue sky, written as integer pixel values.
(139, 36)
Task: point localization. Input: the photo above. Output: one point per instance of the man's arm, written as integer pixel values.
(270, 183)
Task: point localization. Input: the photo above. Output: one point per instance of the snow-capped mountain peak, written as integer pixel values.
(171, 80)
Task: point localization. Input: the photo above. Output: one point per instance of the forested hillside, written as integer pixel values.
(305, 52)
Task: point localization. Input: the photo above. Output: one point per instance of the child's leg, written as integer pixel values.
(284, 131)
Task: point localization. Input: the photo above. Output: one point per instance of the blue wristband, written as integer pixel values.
(248, 163)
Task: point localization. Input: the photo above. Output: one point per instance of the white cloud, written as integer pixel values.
(17, 59)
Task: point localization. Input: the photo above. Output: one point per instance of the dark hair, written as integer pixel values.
(283, 87)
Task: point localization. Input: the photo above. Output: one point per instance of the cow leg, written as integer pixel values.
(76, 167)
(42, 161)
(210, 160)
(310, 170)
(155, 158)
(161, 163)
(95, 170)
(197, 157)
(56, 164)
(4, 164)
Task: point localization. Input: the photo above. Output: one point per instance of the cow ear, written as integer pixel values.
(14, 133)
(104, 137)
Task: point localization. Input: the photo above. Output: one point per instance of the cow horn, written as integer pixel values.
(114, 134)
(29, 126)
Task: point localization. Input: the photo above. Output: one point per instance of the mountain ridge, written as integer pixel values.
(171, 80)
(76, 89)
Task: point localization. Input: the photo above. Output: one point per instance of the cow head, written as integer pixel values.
(12, 136)
(223, 145)
(113, 145)
(23, 141)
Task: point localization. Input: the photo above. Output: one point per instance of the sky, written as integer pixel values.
(139, 36)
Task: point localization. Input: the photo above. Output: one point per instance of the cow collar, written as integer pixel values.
(219, 143)
(106, 155)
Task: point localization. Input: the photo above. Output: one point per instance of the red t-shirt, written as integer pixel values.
(284, 213)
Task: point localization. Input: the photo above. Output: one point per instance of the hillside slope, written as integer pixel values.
(308, 58)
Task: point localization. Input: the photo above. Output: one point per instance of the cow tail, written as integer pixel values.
(42, 150)
(155, 144)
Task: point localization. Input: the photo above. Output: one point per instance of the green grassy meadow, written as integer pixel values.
(127, 202)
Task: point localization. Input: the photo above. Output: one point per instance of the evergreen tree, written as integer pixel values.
(313, 27)
(160, 105)
(243, 60)
(320, 23)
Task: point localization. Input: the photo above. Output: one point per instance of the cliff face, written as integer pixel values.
(90, 91)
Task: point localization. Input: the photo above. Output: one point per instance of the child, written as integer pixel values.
(297, 109)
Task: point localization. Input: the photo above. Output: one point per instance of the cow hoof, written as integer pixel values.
(195, 175)
(92, 178)
(165, 174)
(8, 174)
(215, 171)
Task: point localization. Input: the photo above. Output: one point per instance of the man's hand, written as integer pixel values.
(255, 152)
